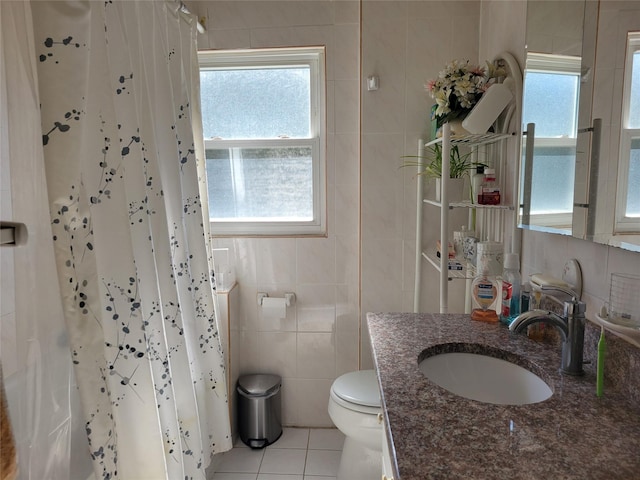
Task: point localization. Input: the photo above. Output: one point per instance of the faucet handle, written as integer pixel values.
(574, 307)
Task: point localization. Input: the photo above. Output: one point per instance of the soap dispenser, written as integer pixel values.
(485, 287)
(485, 292)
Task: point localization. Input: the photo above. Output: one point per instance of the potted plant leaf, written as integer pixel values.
(430, 166)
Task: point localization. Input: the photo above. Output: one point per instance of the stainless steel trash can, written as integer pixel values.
(259, 409)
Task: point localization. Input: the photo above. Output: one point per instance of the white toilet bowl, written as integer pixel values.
(354, 405)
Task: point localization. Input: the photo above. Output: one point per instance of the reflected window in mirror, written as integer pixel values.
(551, 93)
(628, 200)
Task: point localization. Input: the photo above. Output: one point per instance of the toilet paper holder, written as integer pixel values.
(289, 298)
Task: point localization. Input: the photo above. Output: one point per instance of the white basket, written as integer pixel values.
(624, 299)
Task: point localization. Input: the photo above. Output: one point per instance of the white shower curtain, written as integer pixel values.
(118, 84)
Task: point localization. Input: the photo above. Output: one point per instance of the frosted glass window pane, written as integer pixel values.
(256, 103)
(553, 178)
(551, 102)
(260, 184)
(633, 187)
(634, 104)
(264, 120)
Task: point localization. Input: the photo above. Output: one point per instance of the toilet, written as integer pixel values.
(354, 408)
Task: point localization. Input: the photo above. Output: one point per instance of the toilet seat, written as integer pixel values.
(354, 408)
(357, 391)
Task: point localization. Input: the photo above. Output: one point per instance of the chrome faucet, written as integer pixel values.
(571, 326)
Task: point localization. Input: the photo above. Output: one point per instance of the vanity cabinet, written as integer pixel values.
(435, 434)
(387, 462)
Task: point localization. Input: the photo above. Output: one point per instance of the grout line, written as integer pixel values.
(264, 451)
(306, 456)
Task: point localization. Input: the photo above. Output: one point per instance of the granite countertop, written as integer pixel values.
(434, 434)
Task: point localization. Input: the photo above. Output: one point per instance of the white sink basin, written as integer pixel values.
(485, 379)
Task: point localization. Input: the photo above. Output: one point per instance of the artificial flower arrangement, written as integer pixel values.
(459, 87)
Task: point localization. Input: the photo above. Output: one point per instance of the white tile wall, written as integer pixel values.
(562, 28)
(547, 253)
(323, 272)
(405, 44)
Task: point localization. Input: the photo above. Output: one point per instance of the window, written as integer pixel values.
(555, 77)
(628, 191)
(263, 115)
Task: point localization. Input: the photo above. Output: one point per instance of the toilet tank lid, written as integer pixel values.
(359, 387)
(259, 384)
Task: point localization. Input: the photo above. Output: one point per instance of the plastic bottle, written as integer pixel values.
(485, 288)
(458, 240)
(525, 297)
(510, 288)
(476, 183)
(490, 191)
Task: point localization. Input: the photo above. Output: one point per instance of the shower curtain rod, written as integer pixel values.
(183, 8)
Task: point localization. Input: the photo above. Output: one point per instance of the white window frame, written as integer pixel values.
(625, 224)
(314, 58)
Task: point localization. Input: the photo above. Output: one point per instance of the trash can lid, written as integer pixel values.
(259, 384)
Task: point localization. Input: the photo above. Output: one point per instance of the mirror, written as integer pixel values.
(614, 212)
(554, 86)
(572, 181)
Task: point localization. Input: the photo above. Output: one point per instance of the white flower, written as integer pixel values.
(460, 86)
(464, 86)
(442, 100)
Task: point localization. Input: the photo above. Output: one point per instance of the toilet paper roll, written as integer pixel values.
(273, 307)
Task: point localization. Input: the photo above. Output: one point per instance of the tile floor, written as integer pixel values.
(299, 454)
